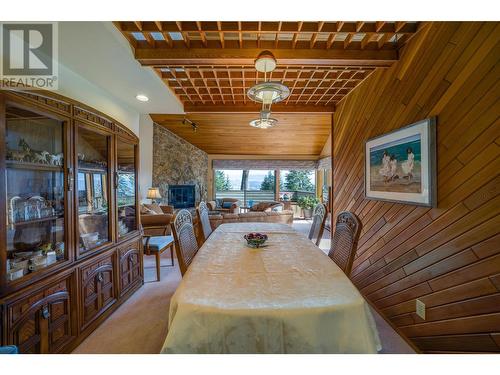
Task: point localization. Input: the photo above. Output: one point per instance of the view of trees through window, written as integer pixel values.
(259, 185)
(297, 183)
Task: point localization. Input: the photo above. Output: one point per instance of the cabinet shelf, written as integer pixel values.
(34, 221)
(14, 164)
(92, 170)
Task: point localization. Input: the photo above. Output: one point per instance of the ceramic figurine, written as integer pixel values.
(56, 159)
(45, 248)
(41, 157)
(17, 155)
(25, 147)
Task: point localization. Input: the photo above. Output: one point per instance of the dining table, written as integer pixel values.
(285, 297)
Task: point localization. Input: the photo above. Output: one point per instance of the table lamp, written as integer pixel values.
(153, 194)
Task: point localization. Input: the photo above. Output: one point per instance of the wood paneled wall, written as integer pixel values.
(449, 256)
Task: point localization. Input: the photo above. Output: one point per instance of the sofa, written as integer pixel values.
(155, 218)
(283, 216)
(227, 205)
(267, 207)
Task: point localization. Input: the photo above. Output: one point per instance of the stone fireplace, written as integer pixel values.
(178, 163)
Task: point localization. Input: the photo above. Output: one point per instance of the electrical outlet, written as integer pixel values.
(421, 309)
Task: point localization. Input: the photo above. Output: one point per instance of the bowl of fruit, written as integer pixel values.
(255, 240)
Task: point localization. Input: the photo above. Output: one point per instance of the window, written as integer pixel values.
(297, 183)
(249, 186)
(326, 185)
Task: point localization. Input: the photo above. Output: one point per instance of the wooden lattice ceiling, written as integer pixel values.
(210, 65)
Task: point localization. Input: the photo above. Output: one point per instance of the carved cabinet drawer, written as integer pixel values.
(130, 265)
(98, 290)
(42, 320)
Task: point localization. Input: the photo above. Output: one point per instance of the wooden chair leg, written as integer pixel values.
(172, 254)
(157, 256)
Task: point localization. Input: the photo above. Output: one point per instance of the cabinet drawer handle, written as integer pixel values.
(100, 277)
(45, 312)
(71, 179)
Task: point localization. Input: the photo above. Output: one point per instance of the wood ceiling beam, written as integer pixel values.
(296, 35)
(331, 39)
(183, 33)
(379, 25)
(240, 35)
(290, 27)
(221, 34)
(244, 56)
(254, 107)
(202, 33)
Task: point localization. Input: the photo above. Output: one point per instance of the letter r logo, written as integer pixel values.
(27, 49)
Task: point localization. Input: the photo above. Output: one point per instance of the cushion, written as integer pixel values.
(261, 206)
(146, 211)
(218, 203)
(158, 243)
(227, 204)
(154, 207)
(9, 349)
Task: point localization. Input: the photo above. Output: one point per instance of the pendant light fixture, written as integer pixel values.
(267, 92)
(265, 121)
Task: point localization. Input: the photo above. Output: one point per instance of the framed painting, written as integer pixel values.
(400, 166)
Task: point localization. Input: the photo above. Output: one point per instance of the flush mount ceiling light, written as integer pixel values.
(267, 92)
(141, 97)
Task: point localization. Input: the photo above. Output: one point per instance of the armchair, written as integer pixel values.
(228, 205)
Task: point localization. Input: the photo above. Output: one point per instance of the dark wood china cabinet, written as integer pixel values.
(70, 248)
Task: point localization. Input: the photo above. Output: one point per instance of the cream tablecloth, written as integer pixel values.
(288, 297)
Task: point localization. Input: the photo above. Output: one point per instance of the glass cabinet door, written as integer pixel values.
(35, 192)
(92, 187)
(126, 188)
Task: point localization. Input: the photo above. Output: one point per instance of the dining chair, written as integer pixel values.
(345, 240)
(318, 224)
(155, 241)
(186, 245)
(204, 220)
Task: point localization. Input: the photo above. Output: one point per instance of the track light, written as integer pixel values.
(189, 122)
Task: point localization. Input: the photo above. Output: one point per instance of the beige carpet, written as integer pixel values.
(140, 324)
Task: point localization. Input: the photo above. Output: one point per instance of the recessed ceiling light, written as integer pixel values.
(141, 97)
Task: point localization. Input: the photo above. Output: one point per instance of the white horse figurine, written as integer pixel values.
(56, 159)
(41, 157)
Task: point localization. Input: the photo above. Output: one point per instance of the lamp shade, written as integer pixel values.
(153, 193)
